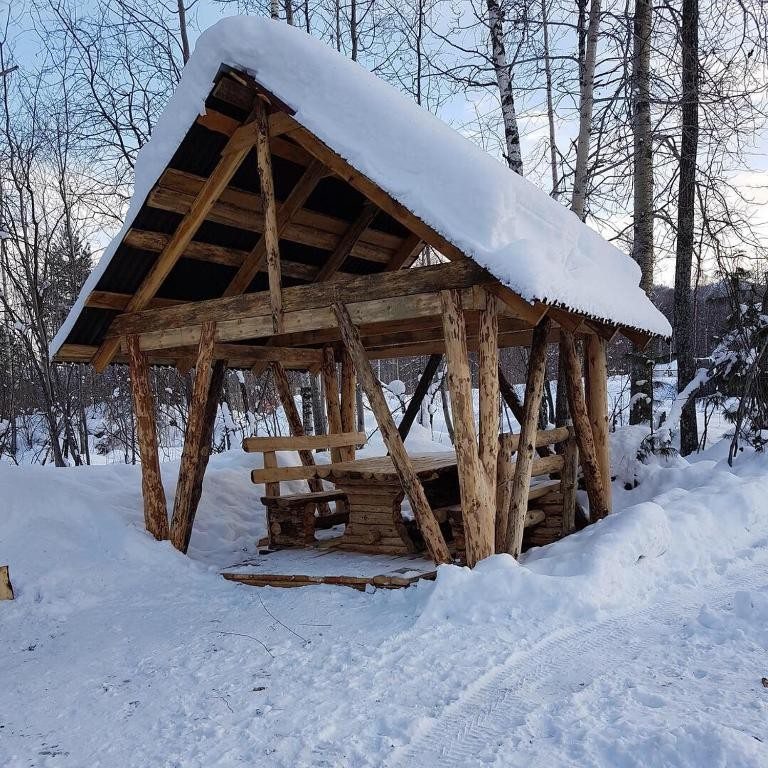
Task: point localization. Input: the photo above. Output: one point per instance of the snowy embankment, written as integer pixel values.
(639, 641)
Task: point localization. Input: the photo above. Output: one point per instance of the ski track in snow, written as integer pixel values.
(514, 713)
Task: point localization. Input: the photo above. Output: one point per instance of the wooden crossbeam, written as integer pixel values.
(244, 210)
(430, 369)
(209, 193)
(119, 301)
(406, 254)
(305, 297)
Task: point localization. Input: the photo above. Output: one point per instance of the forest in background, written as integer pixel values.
(645, 120)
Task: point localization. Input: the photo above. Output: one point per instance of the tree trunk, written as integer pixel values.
(501, 67)
(641, 385)
(683, 319)
(550, 103)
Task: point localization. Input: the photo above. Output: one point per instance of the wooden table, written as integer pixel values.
(375, 495)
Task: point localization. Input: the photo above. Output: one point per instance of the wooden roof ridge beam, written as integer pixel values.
(254, 261)
(348, 241)
(214, 185)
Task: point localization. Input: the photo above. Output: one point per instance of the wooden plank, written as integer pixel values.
(488, 384)
(119, 301)
(596, 375)
(209, 193)
(6, 588)
(598, 505)
(239, 208)
(477, 498)
(183, 511)
(302, 442)
(418, 395)
(521, 481)
(543, 437)
(280, 219)
(347, 242)
(155, 506)
(305, 297)
(430, 529)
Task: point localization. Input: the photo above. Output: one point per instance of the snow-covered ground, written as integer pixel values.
(640, 641)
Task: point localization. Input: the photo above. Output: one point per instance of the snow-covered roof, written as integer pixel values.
(527, 240)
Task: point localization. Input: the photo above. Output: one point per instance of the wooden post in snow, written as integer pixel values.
(430, 529)
(332, 405)
(478, 498)
(521, 482)
(598, 507)
(155, 507)
(596, 376)
(189, 475)
(568, 481)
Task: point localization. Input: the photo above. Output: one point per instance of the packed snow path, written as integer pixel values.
(639, 677)
(640, 641)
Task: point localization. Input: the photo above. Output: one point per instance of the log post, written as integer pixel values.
(430, 529)
(488, 385)
(596, 376)
(348, 385)
(521, 482)
(332, 406)
(477, 497)
(430, 369)
(189, 474)
(155, 506)
(505, 470)
(568, 481)
(271, 237)
(593, 478)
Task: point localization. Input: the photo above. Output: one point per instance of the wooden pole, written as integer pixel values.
(430, 369)
(189, 475)
(593, 479)
(332, 406)
(271, 237)
(568, 481)
(477, 497)
(430, 529)
(155, 506)
(596, 376)
(488, 382)
(521, 482)
(348, 385)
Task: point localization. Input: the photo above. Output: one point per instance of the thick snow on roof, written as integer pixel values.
(521, 235)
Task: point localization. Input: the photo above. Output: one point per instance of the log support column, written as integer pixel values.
(521, 481)
(478, 497)
(155, 507)
(596, 376)
(194, 455)
(332, 405)
(433, 536)
(593, 478)
(348, 386)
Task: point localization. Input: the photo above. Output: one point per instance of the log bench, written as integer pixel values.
(293, 519)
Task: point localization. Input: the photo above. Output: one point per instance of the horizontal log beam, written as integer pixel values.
(385, 286)
(176, 191)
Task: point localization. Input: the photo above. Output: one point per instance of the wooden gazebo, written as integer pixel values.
(254, 240)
